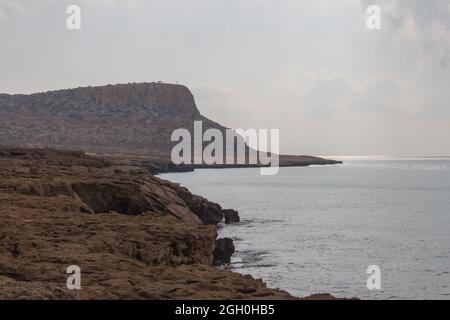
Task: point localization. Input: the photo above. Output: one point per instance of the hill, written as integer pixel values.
(122, 119)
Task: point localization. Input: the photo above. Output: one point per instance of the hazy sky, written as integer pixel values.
(310, 68)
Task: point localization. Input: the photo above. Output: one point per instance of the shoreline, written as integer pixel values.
(159, 167)
(163, 164)
(129, 231)
(224, 225)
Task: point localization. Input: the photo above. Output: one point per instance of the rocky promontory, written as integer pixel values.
(128, 118)
(135, 120)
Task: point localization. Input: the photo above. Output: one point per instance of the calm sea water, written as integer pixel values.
(317, 229)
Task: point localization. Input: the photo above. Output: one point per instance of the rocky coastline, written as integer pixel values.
(133, 235)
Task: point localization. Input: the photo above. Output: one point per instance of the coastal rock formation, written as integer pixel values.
(207, 212)
(231, 216)
(133, 235)
(223, 250)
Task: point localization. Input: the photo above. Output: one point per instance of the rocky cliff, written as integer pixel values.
(134, 236)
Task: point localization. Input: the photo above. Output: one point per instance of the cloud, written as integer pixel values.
(325, 94)
(389, 95)
(423, 24)
(9, 7)
(318, 93)
(310, 68)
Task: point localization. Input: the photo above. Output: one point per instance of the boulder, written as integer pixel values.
(231, 216)
(223, 250)
(208, 212)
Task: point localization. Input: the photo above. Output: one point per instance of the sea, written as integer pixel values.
(323, 229)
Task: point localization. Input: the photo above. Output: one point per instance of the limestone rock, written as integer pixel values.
(133, 235)
(183, 214)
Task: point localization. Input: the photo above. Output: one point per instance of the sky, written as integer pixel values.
(309, 68)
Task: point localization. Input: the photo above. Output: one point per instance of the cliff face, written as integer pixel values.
(129, 117)
(134, 236)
